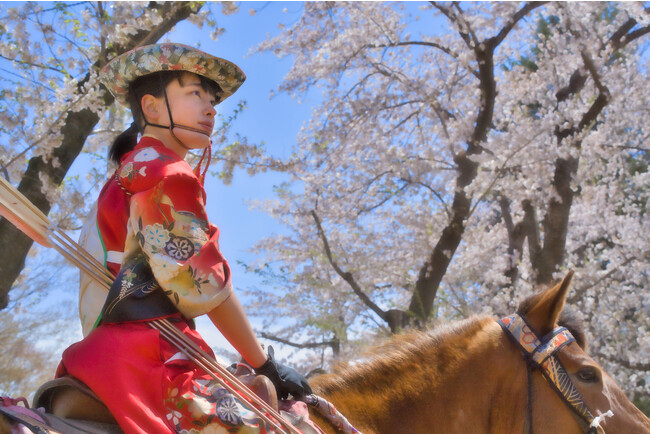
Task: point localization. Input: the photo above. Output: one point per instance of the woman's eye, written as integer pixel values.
(588, 375)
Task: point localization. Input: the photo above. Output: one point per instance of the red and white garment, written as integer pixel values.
(155, 205)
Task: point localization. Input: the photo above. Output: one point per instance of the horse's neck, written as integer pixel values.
(421, 381)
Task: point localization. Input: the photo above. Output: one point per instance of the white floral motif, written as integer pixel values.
(200, 406)
(163, 267)
(213, 282)
(174, 416)
(125, 287)
(146, 154)
(156, 235)
(213, 428)
(126, 170)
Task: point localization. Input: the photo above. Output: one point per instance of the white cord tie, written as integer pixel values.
(598, 419)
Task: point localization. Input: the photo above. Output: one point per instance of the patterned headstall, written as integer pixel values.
(541, 353)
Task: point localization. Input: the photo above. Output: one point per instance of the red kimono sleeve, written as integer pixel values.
(168, 223)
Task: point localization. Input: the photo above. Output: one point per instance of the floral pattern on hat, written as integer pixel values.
(141, 61)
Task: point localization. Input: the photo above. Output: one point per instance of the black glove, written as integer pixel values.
(285, 379)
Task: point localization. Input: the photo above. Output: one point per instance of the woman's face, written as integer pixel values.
(191, 106)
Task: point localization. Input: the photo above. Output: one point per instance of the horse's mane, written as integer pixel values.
(410, 350)
(414, 349)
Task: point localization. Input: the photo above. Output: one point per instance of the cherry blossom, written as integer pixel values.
(463, 155)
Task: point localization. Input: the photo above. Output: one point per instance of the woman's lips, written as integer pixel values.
(208, 126)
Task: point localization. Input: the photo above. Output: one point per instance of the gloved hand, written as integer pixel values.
(285, 379)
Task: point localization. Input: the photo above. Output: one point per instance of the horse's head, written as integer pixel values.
(597, 390)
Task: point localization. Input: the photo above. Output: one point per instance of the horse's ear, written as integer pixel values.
(544, 313)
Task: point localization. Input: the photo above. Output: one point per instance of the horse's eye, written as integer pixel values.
(588, 375)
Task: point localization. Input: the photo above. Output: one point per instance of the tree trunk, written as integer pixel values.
(435, 267)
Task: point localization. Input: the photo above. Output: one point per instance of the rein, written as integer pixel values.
(542, 354)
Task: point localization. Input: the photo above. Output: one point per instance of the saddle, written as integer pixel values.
(73, 403)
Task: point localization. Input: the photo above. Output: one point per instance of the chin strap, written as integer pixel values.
(171, 120)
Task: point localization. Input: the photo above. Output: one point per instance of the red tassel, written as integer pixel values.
(197, 170)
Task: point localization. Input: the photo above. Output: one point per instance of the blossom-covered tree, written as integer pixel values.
(464, 155)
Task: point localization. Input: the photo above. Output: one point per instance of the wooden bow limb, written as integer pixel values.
(16, 208)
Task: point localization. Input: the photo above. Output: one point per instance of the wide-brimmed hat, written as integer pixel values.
(118, 74)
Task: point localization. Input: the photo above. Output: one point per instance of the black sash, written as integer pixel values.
(135, 295)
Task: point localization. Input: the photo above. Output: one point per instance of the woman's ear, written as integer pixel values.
(150, 108)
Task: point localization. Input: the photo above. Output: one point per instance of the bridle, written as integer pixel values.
(541, 354)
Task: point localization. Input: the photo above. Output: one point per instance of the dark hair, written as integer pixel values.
(151, 84)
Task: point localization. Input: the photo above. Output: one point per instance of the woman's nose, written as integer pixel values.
(211, 111)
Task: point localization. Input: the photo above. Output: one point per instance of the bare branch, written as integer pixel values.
(302, 345)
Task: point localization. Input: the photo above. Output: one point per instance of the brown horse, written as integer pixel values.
(471, 377)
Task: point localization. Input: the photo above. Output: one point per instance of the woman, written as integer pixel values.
(150, 228)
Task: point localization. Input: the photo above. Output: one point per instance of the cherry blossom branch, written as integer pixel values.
(454, 19)
(345, 275)
(556, 219)
(618, 40)
(636, 35)
(502, 170)
(516, 236)
(518, 16)
(385, 199)
(621, 38)
(625, 363)
(460, 18)
(433, 192)
(442, 48)
(435, 267)
(578, 293)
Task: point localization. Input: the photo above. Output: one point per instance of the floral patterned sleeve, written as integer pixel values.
(168, 223)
